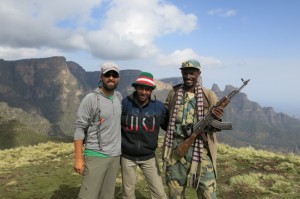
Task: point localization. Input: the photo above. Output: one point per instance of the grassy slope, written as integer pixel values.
(15, 133)
(45, 171)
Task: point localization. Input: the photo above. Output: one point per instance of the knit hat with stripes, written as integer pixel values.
(144, 79)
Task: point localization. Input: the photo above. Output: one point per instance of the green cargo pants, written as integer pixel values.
(177, 177)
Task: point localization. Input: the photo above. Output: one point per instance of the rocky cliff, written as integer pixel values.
(43, 87)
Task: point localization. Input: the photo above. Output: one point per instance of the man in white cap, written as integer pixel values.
(97, 137)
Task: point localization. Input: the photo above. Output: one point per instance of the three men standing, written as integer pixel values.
(142, 117)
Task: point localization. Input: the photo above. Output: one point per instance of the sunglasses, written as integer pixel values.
(113, 74)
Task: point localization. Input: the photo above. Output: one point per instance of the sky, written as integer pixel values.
(232, 39)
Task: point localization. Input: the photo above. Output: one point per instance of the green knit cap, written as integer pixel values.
(145, 79)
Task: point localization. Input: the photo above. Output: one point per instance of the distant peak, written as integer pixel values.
(229, 88)
(215, 88)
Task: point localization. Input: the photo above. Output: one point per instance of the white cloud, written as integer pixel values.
(210, 62)
(178, 56)
(33, 24)
(127, 29)
(131, 28)
(222, 12)
(9, 53)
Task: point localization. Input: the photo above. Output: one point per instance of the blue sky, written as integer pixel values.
(232, 39)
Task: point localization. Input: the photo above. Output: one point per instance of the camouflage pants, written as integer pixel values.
(177, 177)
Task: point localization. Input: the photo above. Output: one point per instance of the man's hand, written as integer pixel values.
(78, 159)
(79, 165)
(218, 112)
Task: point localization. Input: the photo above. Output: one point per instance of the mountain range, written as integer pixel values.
(39, 100)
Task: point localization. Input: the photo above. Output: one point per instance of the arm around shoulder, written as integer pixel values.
(169, 99)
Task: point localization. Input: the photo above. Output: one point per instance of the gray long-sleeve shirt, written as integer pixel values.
(105, 137)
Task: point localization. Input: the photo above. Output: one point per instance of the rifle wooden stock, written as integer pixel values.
(184, 146)
(207, 120)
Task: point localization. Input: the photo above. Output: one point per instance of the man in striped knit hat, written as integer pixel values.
(187, 103)
(142, 117)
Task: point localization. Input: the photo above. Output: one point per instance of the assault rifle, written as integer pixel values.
(207, 121)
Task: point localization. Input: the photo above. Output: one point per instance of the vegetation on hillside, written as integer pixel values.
(14, 133)
(45, 171)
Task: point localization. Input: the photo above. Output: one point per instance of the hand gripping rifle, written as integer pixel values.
(206, 121)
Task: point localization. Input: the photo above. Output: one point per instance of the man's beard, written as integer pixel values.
(109, 87)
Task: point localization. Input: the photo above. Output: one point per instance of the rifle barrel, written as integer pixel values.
(245, 82)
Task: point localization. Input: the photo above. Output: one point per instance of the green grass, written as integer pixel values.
(45, 171)
(14, 134)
